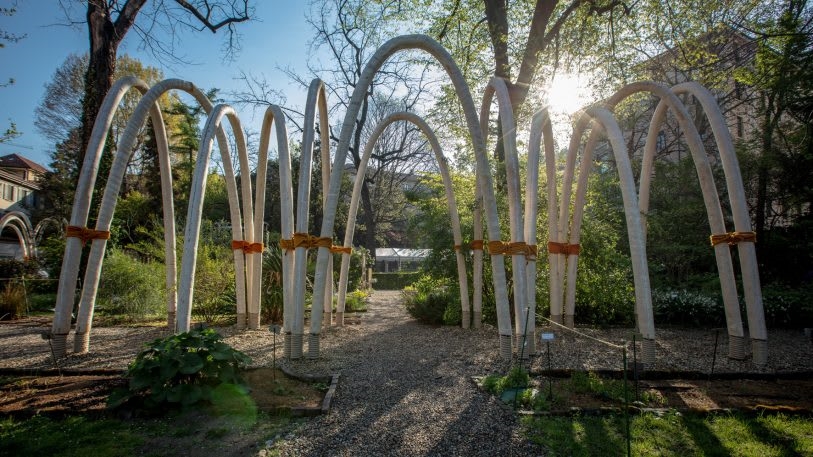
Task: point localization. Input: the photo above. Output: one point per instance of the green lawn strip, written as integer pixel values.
(83, 436)
(674, 434)
(71, 436)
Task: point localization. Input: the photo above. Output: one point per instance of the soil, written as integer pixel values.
(23, 396)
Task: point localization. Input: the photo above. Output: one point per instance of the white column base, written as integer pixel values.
(59, 343)
(296, 346)
(570, 321)
(339, 319)
(313, 346)
(241, 321)
(253, 321)
(736, 347)
(759, 352)
(81, 343)
(478, 319)
(648, 351)
(506, 351)
(465, 320)
(286, 346)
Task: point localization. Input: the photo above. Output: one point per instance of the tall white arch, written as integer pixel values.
(389, 48)
(519, 258)
(450, 200)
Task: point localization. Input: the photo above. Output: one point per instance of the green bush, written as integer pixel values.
(356, 301)
(181, 370)
(428, 299)
(214, 284)
(130, 288)
(787, 306)
(686, 309)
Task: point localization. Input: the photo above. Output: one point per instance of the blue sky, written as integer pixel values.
(278, 38)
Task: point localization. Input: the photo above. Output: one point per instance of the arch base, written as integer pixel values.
(478, 319)
(59, 344)
(465, 320)
(171, 316)
(81, 343)
(506, 351)
(759, 352)
(339, 319)
(736, 347)
(286, 346)
(327, 319)
(648, 351)
(570, 321)
(241, 321)
(296, 346)
(313, 346)
(253, 321)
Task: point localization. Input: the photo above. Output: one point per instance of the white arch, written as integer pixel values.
(450, 200)
(736, 192)
(424, 43)
(21, 225)
(317, 99)
(541, 131)
(276, 118)
(192, 231)
(497, 87)
(604, 120)
(81, 207)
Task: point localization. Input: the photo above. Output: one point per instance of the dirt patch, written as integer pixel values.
(24, 396)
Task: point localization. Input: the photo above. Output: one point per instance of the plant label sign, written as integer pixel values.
(547, 337)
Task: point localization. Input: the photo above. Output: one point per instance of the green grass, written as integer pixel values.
(73, 436)
(674, 434)
(85, 436)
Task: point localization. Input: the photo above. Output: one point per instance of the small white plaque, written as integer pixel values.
(547, 336)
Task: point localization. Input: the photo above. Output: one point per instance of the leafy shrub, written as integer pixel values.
(516, 378)
(787, 306)
(686, 308)
(428, 299)
(355, 274)
(130, 288)
(12, 301)
(356, 301)
(214, 284)
(181, 370)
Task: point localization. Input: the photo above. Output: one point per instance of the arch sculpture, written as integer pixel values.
(563, 230)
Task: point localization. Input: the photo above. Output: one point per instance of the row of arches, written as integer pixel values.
(563, 228)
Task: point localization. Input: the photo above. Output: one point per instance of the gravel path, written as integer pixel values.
(406, 388)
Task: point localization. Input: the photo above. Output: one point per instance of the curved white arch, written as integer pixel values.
(81, 208)
(274, 117)
(450, 200)
(192, 231)
(498, 88)
(736, 192)
(430, 46)
(21, 225)
(317, 99)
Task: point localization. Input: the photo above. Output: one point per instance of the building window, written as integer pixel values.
(8, 192)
